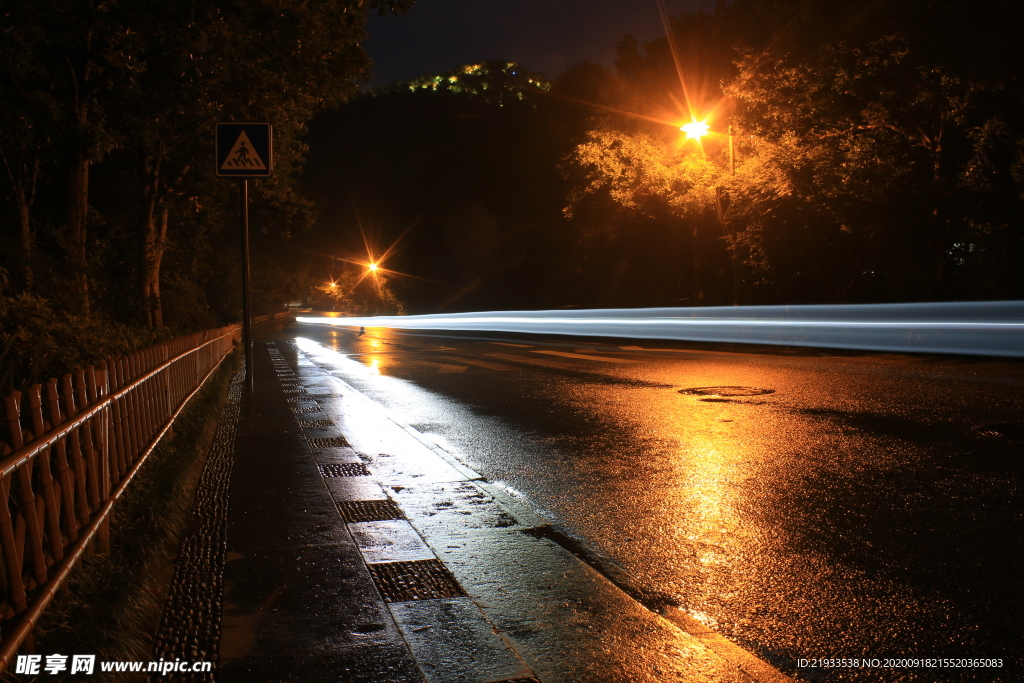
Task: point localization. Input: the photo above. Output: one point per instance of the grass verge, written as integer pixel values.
(112, 600)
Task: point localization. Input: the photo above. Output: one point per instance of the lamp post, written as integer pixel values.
(732, 153)
(695, 130)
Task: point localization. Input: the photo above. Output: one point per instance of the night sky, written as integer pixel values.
(543, 35)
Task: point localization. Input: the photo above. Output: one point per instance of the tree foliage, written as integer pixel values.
(107, 110)
(877, 148)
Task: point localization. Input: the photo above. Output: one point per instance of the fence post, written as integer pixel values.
(34, 539)
(133, 407)
(116, 434)
(89, 444)
(12, 557)
(63, 472)
(77, 463)
(35, 403)
(99, 381)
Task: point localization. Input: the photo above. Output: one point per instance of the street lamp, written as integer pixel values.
(695, 130)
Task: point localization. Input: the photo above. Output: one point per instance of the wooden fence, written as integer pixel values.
(75, 445)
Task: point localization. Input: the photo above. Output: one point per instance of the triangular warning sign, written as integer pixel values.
(242, 155)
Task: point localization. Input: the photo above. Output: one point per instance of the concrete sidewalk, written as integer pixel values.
(357, 550)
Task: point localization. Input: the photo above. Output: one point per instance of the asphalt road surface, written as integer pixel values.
(808, 505)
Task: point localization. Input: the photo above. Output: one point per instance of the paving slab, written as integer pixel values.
(453, 642)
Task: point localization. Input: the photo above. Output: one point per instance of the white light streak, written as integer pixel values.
(994, 328)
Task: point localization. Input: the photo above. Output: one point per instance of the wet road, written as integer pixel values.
(805, 504)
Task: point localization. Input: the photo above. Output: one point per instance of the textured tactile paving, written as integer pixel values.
(295, 391)
(306, 409)
(316, 423)
(344, 469)
(414, 580)
(369, 510)
(189, 625)
(329, 442)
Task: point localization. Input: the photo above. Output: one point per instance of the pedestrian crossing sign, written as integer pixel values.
(244, 150)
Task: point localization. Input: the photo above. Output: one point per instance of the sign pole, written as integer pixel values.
(245, 150)
(246, 312)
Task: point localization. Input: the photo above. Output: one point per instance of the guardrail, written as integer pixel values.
(75, 445)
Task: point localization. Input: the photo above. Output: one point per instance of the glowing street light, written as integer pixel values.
(372, 267)
(695, 130)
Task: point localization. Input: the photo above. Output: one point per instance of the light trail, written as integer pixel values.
(990, 328)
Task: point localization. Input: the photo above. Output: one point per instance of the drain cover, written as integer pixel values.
(307, 409)
(344, 469)
(369, 510)
(726, 391)
(329, 442)
(316, 423)
(1007, 430)
(414, 580)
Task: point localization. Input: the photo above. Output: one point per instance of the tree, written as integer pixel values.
(257, 61)
(64, 58)
(635, 157)
(876, 150)
(877, 141)
(92, 86)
